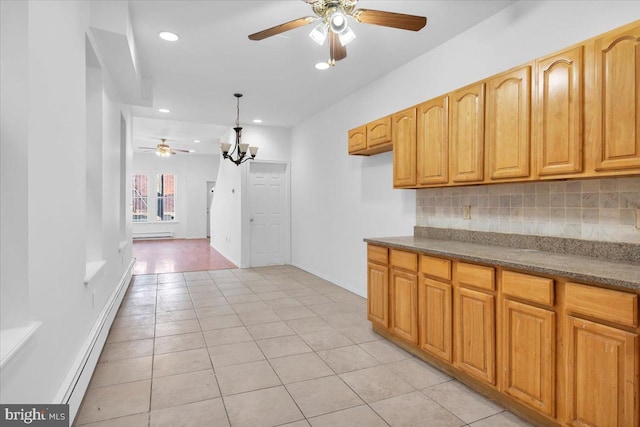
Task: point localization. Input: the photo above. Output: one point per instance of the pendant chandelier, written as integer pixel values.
(239, 153)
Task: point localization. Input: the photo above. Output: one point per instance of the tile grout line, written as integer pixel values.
(153, 359)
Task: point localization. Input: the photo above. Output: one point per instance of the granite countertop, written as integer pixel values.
(618, 274)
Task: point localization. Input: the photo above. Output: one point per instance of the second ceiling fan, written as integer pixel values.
(163, 149)
(334, 25)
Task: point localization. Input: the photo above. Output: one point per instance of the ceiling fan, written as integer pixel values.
(334, 25)
(163, 149)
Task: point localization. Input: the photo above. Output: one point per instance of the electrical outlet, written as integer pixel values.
(466, 212)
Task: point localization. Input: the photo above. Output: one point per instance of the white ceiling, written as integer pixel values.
(197, 76)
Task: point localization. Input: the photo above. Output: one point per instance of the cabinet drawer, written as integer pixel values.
(527, 287)
(436, 267)
(378, 254)
(405, 260)
(605, 304)
(476, 276)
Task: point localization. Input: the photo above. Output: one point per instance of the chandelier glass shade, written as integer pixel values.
(238, 154)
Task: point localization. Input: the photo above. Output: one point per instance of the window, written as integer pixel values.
(166, 184)
(139, 197)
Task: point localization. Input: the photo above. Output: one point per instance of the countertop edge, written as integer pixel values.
(619, 283)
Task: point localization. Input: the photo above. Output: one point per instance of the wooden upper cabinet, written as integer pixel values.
(403, 125)
(466, 150)
(372, 138)
(617, 109)
(508, 125)
(379, 132)
(433, 141)
(602, 370)
(558, 113)
(357, 139)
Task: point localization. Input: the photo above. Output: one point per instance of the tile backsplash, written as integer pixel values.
(596, 209)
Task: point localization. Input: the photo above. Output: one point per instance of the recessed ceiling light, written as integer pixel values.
(257, 121)
(163, 110)
(196, 141)
(322, 65)
(168, 36)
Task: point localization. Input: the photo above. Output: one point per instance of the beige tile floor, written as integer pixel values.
(269, 346)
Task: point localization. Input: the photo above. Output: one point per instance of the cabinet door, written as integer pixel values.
(404, 148)
(475, 334)
(436, 320)
(378, 294)
(602, 370)
(433, 141)
(357, 139)
(558, 113)
(379, 132)
(529, 355)
(466, 152)
(617, 91)
(508, 118)
(404, 305)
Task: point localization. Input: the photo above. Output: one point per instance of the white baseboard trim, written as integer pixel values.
(332, 280)
(77, 380)
(230, 258)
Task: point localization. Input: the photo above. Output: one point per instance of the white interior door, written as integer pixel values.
(268, 214)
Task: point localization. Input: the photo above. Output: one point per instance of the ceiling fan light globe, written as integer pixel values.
(346, 36)
(338, 22)
(319, 33)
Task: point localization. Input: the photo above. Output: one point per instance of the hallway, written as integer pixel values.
(176, 255)
(264, 347)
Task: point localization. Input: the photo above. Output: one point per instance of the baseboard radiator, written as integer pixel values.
(75, 384)
(153, 235)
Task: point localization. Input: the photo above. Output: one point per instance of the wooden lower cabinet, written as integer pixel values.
(475, 334)
(436, 319)
(378, 294)
(553, 351)
(404, 305)
(602, 369)
(528, 355)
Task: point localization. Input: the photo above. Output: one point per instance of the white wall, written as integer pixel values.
(48, 123)
(229, 220)
(192, 172)
(338, 199)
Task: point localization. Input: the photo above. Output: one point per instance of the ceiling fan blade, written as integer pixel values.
(180, 151)
(282, 28)
(337, 52)
(390, 19)
(147, 148)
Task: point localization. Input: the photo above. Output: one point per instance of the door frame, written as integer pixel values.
(208, 209)
(245, 212)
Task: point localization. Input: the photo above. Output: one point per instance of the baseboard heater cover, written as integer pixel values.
(153, 235)
(74, 386)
